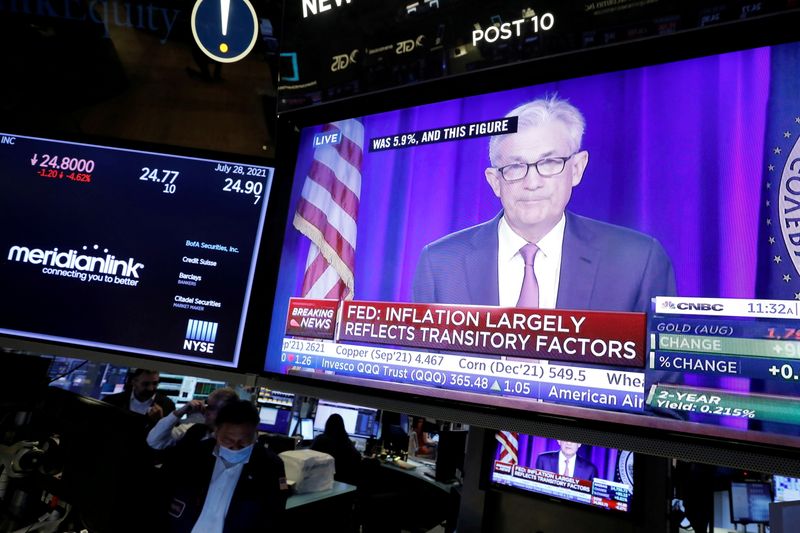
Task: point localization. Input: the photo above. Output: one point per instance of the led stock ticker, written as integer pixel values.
(63, 167)
(589, 359)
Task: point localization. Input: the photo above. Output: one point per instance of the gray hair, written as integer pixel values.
(541, 111)
(223, 395)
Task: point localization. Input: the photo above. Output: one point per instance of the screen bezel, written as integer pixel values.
(762, 31)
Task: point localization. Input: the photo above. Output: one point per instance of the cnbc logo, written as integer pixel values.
(200, 336)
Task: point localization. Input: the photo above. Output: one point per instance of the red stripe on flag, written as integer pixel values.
(347, 148)
(338, 291)
(343, 196)
(351, 152)
(313, 273)
(334, 239)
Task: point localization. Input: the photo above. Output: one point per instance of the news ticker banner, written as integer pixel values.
(602, 388)
(587, 337)
(695, 343)
(463, 349)
(598, 492)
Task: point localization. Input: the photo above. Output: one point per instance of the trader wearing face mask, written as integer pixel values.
(227, 484)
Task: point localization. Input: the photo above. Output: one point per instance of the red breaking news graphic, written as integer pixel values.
(560, 335)
(607, 338)
(312, 318)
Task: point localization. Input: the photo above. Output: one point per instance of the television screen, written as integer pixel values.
(274, 420)
(750, 502)
(504, 249)
(127, 250)
(358, 421)
(307, 429)
(267, 396)
(590, 475)
(268, 415)
(787, 489)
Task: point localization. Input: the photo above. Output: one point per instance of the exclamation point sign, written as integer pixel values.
(225, 9)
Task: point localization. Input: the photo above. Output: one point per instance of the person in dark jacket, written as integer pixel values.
(141, 396)
(229, 484)
(336, 442)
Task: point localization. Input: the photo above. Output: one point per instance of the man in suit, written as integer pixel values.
(534, 253)
(566, 462)
(141, 396)
(229, 484)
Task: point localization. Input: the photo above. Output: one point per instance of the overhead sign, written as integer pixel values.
(225, 30)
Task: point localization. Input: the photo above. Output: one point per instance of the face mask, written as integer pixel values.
(235, 456)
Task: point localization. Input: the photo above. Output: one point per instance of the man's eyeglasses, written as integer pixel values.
(547, 167)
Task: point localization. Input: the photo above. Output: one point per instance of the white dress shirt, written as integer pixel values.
(570, 464)
(140, 407)
(546, 266)
(167, 432)
(218, 499)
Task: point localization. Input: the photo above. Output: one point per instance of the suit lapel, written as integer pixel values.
(480, 265)
(579, 261)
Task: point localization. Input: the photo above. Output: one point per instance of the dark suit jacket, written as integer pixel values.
(583, 469)
(257, 504)
(123, 399)
(603, 267)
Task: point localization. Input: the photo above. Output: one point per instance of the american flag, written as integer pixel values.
(510, 445)
(328, 212)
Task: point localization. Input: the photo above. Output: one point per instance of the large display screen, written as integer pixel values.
(591, 475)
(677, 180)
(127, 250)
(354, 48)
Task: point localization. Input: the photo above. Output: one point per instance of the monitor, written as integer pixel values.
(307, 429)
(450, 455)
(274, 420)
(275, 398)
(430, 197)
(787, 489)
(593, 476)
(358, 421)
(268, 415)
(123, 250)
(293, 426)
(395, 431)
(750, 502)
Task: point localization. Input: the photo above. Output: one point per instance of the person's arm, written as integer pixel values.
(168, 430)
(160, 436)
(658, 278)
(424, 287)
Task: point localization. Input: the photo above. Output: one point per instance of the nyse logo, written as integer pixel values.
(200, 336)
(343, 61)
(404, 47)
